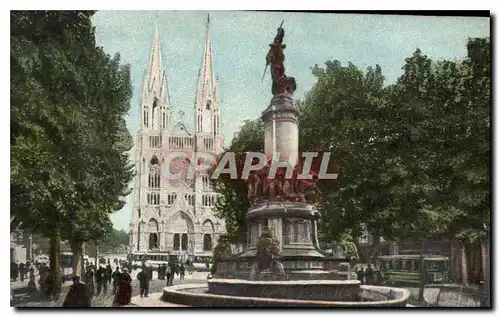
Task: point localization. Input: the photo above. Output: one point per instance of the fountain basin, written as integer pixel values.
(305, 290)
(197, 295)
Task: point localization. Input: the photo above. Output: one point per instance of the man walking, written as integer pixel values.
(108, 273)
(106, 278)
(182, 271)
(21, 271)
(168, 272)
(369, 274)
(143, 281)
(89, 280)
(14, 270)
(172, 267)
(99, 279)
(116, 279)
(361, 275)
(78, 295)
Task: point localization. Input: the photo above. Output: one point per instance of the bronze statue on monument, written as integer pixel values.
(276, 57)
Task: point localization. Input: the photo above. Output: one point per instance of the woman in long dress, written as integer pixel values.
(124, 293)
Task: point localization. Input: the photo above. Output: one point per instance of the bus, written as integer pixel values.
(135, 260)
(405, 269)
(153, 259)
(202, 263)
(66, 265)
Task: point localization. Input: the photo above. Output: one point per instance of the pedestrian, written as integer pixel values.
(160, 269)
(116, 279)
(99, 278)
(21, 271)
(89, 277)
(108, 273)
(182, 271)
(360, 274)
(51, 290)
(27, 269)
(14, 273)
(150, 272)
(172, 272)
(31, 283)
(78, 295)
(41, 280)
(369, 274)
(143, 281)
(168, 273)
(124, 293)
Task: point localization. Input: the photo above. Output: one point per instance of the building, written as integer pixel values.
(175, 215)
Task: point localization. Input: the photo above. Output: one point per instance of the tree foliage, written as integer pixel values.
(413, 157)
(232, 202)
(69, 167)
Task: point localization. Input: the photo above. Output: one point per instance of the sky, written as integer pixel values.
(240, 41)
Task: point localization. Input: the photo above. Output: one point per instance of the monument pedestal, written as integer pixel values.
(281, 134)
(294, 225)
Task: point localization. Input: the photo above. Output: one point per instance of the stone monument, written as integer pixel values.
(282, 265)
(282, 208)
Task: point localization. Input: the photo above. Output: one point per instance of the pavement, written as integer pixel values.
(22, 296)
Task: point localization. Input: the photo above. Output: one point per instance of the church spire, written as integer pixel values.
(206, 100)
(155, 101)
(155, 65)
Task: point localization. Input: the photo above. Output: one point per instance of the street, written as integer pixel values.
(23, 298)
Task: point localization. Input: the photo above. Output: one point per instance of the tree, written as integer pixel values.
(69, 167)
(102, 156)
(344, 113)
(444, 122)
(41, 186)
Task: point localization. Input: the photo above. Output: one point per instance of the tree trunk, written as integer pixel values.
(422, 273)
(463, 265)
(83, 257)
(96, 255)
(55, 274)
(485, 259)
(77, 250)
(373, 248)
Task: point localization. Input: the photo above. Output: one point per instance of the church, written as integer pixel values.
(175, 217)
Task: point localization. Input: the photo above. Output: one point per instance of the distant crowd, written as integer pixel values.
(97, 281)
(368, 275)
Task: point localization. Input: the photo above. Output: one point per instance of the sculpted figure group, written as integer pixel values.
(267, 265)
(261, 189)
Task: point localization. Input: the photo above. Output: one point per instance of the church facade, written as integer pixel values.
(175, 216)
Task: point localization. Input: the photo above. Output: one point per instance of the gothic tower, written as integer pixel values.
(175, 216)
(207, 104)
(154, 98)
